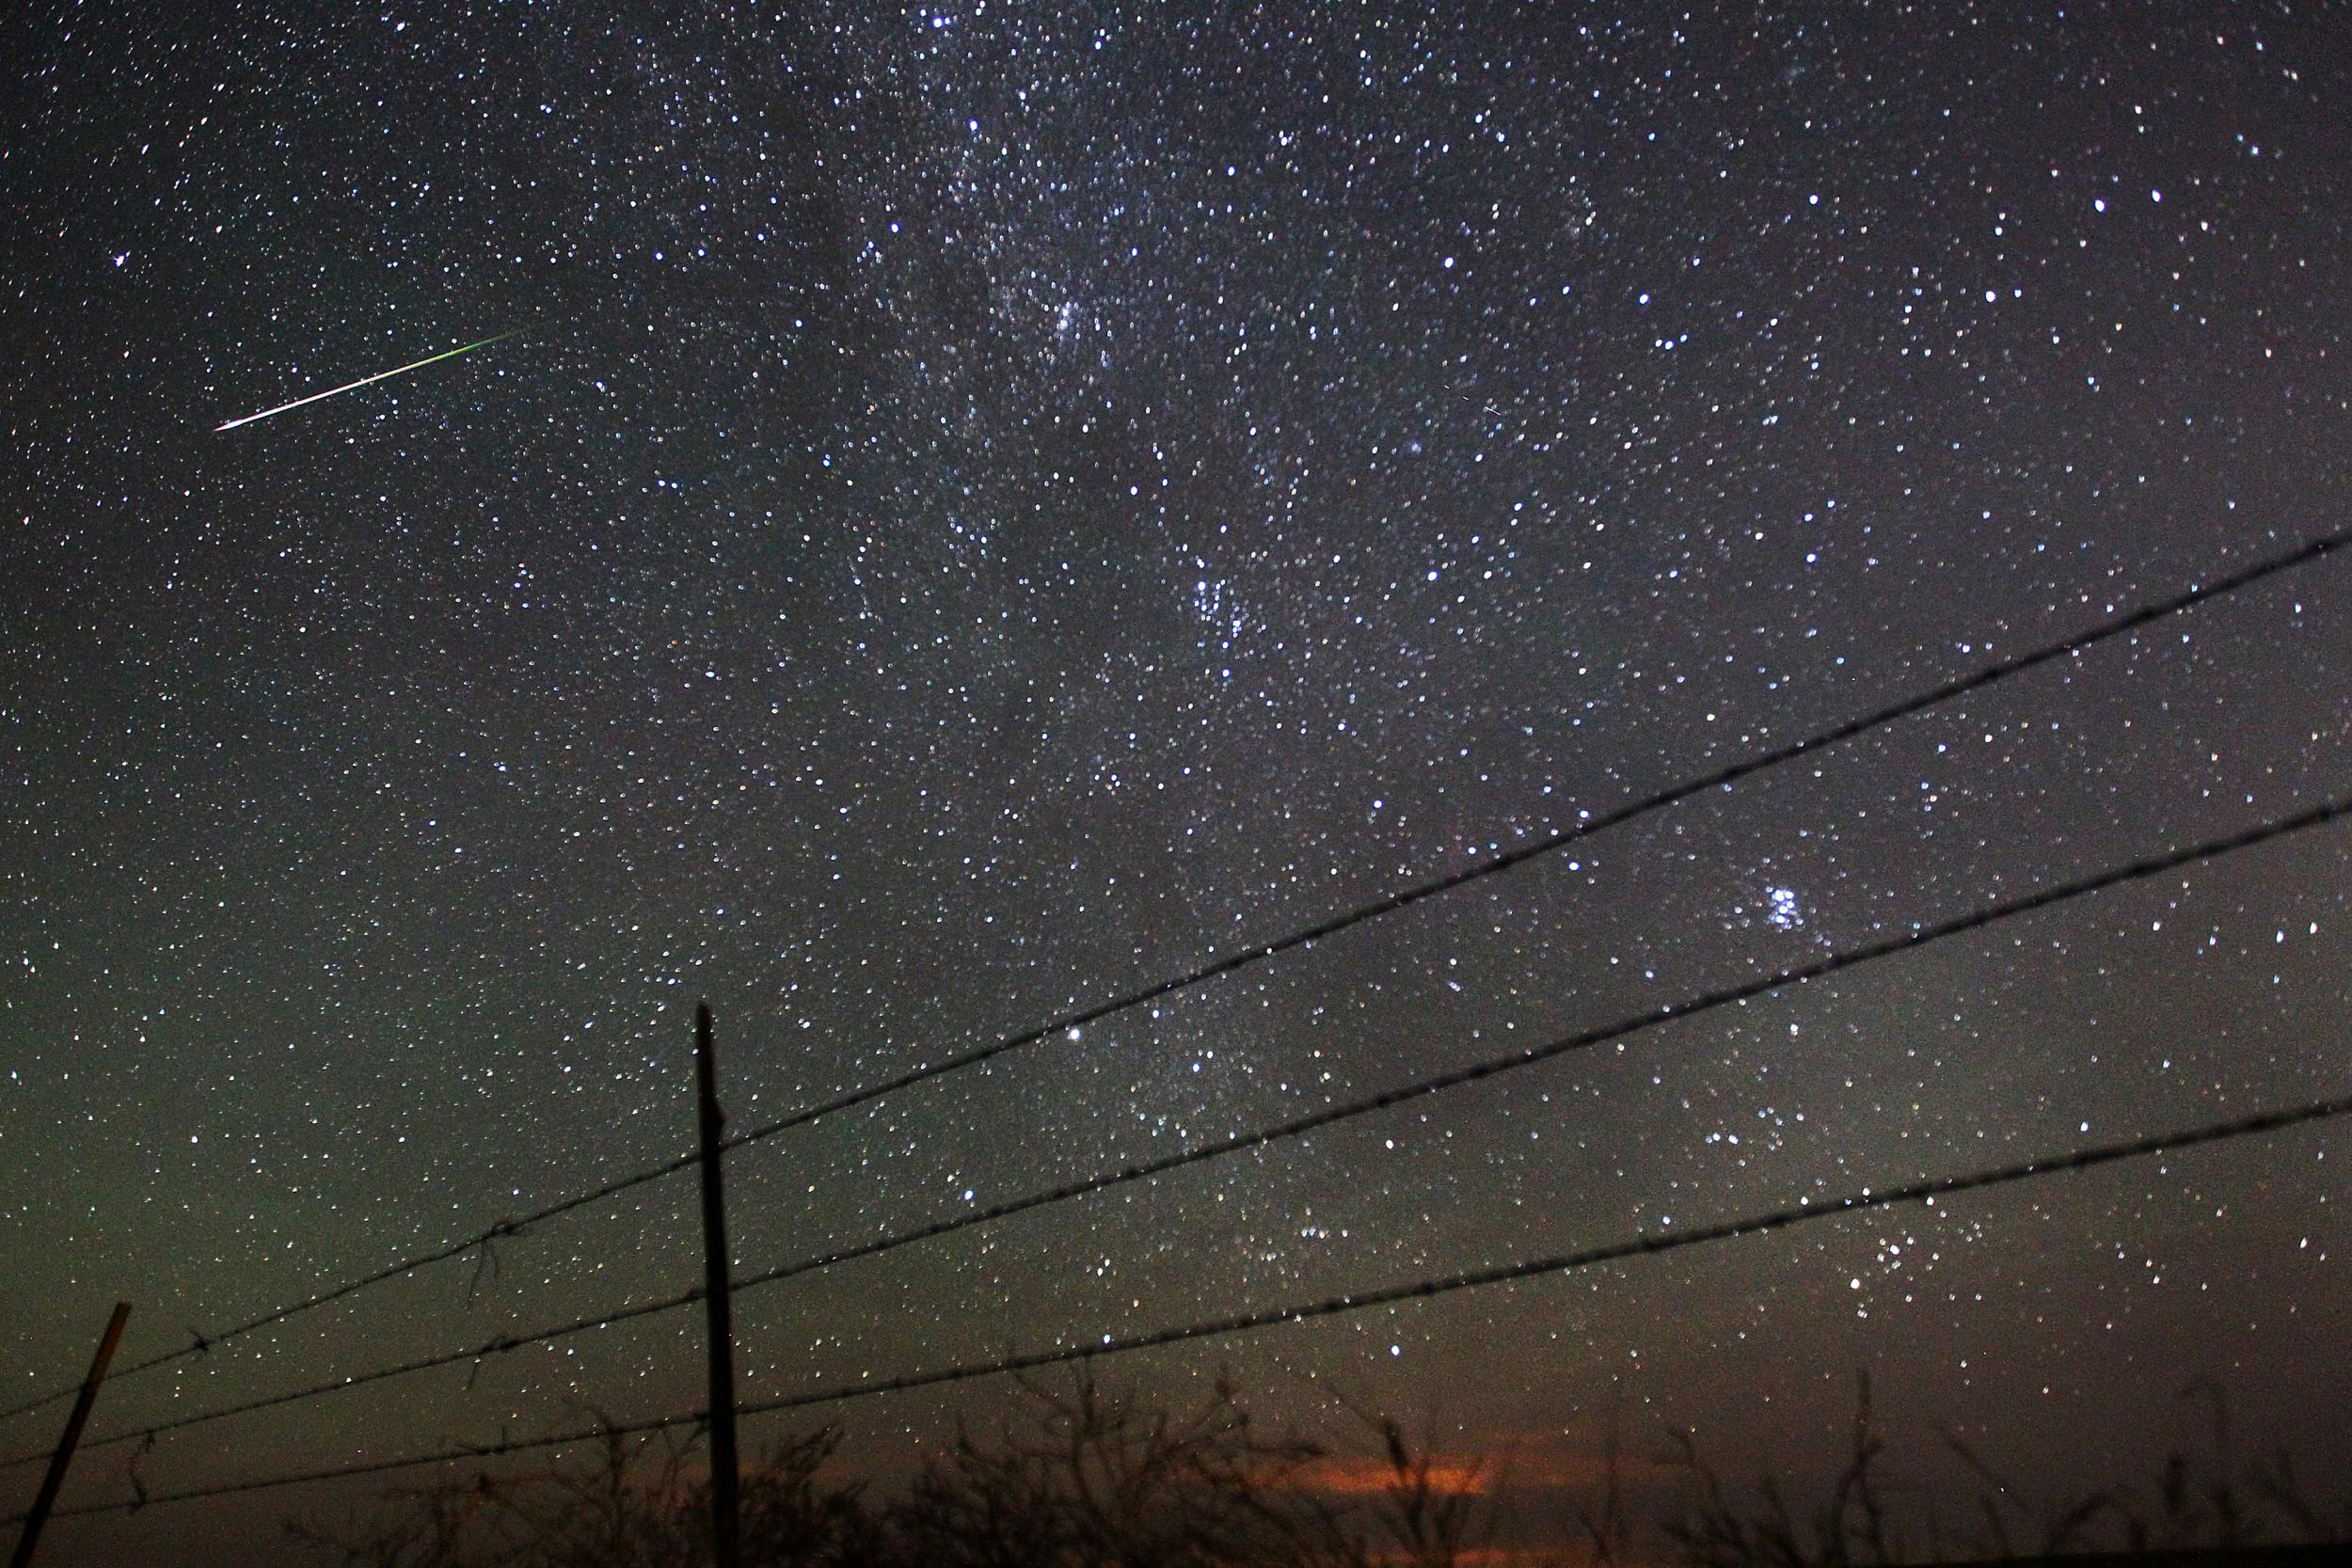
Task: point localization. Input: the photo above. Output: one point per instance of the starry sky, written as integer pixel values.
(990, 504)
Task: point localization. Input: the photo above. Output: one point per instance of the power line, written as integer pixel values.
(1804, 1211)
(1241, 958)
(1314, 1122)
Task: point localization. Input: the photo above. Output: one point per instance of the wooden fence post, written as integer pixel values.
(726, 1482)
(66, 1445)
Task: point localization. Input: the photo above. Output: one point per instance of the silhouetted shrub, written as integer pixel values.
(1086, 1477)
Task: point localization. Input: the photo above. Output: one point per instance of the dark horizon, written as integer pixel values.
(1367, 1488)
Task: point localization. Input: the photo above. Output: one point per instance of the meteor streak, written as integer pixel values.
(365, 380)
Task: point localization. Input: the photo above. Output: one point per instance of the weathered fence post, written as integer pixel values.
(64, 1456)
(725, 1524)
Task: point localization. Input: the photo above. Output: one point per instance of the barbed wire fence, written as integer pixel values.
(1649, 1019)
(1921, 1190)
(1252, 953)
(1647, 1244)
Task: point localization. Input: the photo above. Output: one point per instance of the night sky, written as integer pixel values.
(993, 504)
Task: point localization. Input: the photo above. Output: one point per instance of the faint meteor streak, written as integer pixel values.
(366, 380)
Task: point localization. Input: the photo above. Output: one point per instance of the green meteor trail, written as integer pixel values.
(365, 380)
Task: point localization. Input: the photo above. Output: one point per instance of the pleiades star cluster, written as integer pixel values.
(944, 513)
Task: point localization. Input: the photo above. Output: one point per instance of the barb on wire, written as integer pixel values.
(390, 1271)
(477, 1355)
(2001, 670)
(1644, 1245)
(1647, 1243)
(1919, 936)
(487, 1262)
(1545, 1052)
(1546, 844)
(1721, 778)
(482, 1359)
(131, 1471)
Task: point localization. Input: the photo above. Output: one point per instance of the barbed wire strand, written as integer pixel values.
(1527, 1056)
(1721, 778)
(391, 1271)
(1646, 1244)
